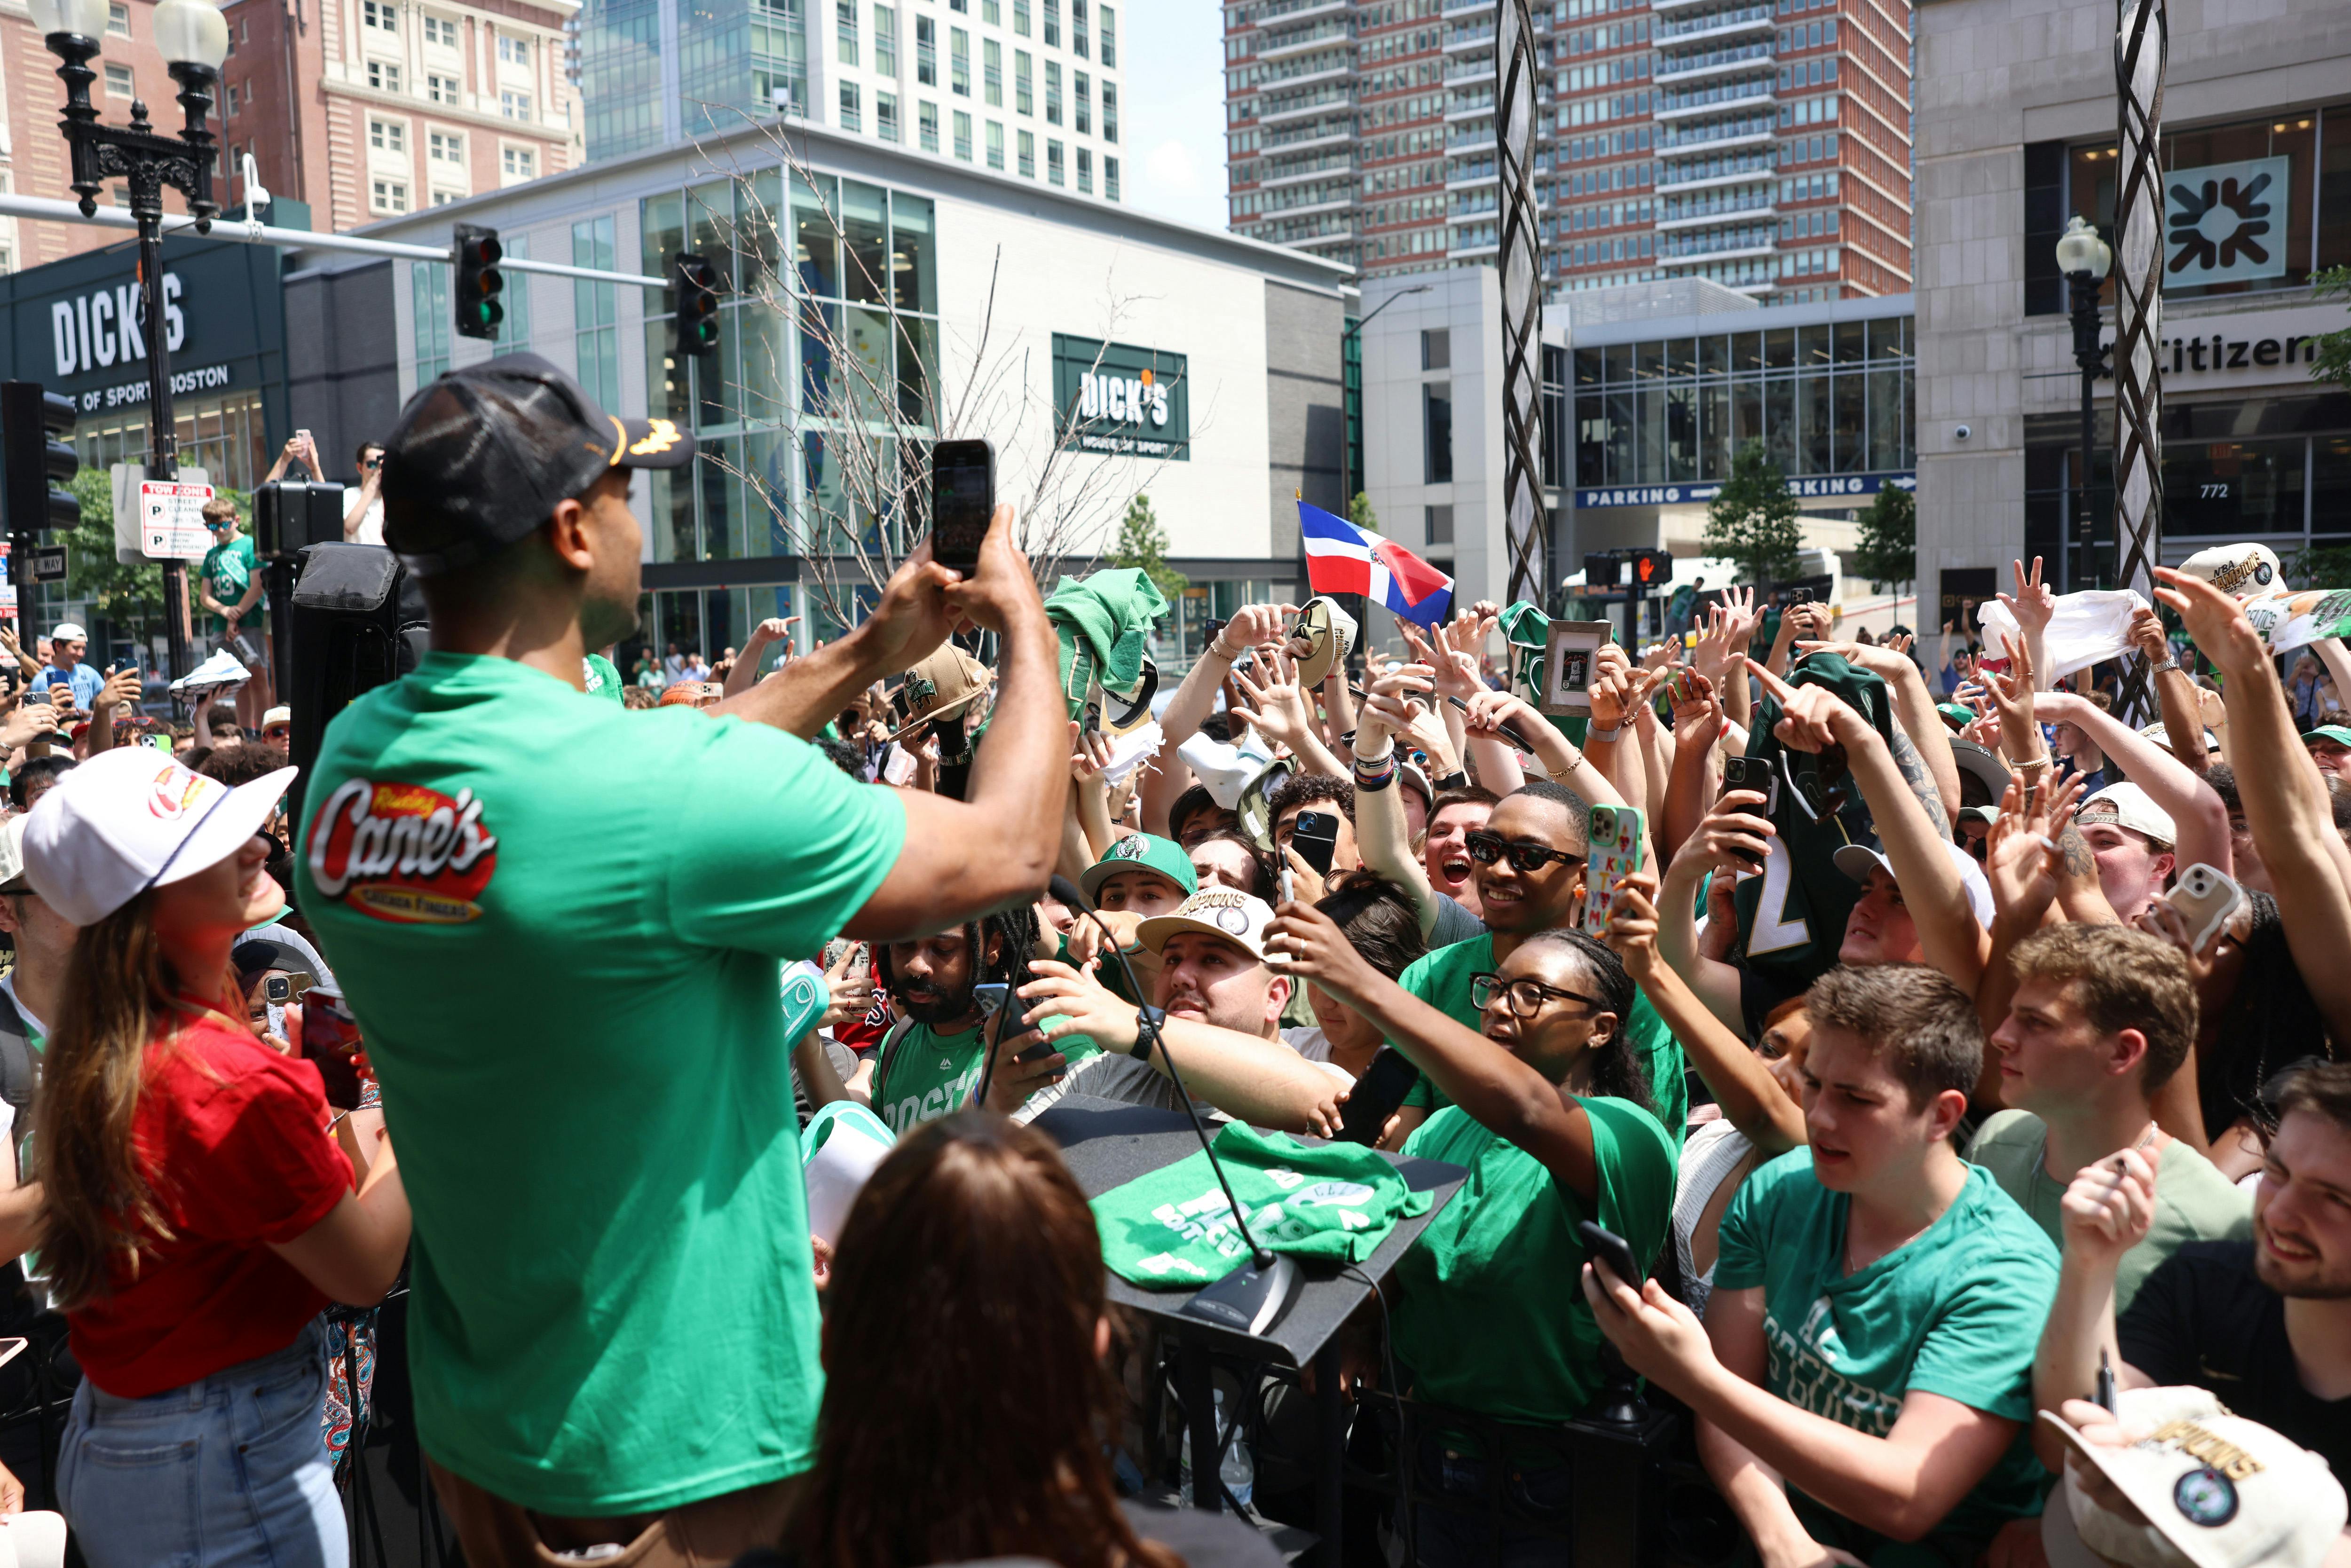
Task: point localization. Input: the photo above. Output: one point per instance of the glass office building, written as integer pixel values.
(657, 71)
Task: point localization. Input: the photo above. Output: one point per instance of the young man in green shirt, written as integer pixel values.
(229, 582)
(2102, 1017)
(563, 924)
(932, 1060)
(1863, 1378)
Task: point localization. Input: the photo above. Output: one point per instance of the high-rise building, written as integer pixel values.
(361, 108)
(1762, 144)
(1028, 89)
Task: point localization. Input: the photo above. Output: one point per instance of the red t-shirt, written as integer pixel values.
(232, 1138)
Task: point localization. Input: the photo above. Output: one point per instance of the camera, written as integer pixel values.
(1961, 433)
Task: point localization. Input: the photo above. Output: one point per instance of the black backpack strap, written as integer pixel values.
(889, 1050)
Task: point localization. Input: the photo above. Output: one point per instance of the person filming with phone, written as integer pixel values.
(619, 1351)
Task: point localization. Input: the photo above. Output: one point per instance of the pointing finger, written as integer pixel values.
(1771, 683)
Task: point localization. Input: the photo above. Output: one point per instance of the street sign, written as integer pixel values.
(172, 521)
(48, 564)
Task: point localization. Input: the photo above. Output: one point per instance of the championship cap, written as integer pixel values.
(2161, 737)
(2126, 805)
(1320, 639)
(2217, 1490)
(1237, 917)
(2240, 571)
(281, 713)
(1855, 860)
(132, 819)
(1142, 852)
(482, 455)
(941, 686)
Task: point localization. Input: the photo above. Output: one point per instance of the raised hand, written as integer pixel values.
(1633, 923)
(2012, 696)
(1812, 718)
(1698, 712)
(1899, 642)
(2146, 634)
(1312, 948)
(1273, 706)
(1733, 836)
(1251, 626)
(2033, 602)
(1088, 753)
(122, 689)
(2214, 620)
(849, 996)
(1385, 709)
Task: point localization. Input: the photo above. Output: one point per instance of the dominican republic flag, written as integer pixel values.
(1343, 558)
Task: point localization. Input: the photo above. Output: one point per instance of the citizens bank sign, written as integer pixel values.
(1122, 401)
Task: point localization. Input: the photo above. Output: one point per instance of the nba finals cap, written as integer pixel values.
(1142, 852)
(482, 455)
(2217, 1490)
(132, 819)
(2241, 572)
(1237, 917)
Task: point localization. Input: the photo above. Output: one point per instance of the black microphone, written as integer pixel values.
(1251, 1298)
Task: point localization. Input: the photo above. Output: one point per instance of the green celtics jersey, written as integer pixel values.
(923, 1075)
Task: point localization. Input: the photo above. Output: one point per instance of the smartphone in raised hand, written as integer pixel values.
(1377, 1095)
(1316, 836)
(2206, 897)
(963, 498)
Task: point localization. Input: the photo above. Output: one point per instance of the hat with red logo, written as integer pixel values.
(132, 819)
(481, 457)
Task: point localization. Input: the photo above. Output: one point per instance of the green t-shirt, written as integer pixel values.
(1956, 1311)
(227, 572)
(1491, 1317)
(574, 1016)
(1441, 980)
(2193, 1201)
(603, 680)
(923, 1075)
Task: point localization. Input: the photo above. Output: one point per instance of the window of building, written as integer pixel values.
(1052, 23)
(118, 19)
(380, 14)
(441, 30)
(388, 135)
(520, 163)
(446, 146)
(1438, 522)
(1082, 92)
(845, 29)
(513, 51)
(1436, 432)
(443, 198)
(963, 6)
(389, 196)
(963, 135)
(1027, 155)
(991, 13)
(926, 51)
(228, 102)
(1108, 20)
(514, 105)
(885, 116)
(441, 90)
(1024, 98)
(991, 71)
(1077, 28)
(995, 145)
(1110, 109)
(885, 40)
(118, 80)
(1053, 163)
(1110, 178)
(1085, 172)
(960, 61)
(382, 76)
(1020, 17)
(927, 126)
(1437, 348)
(429, 292)
(596, 312)
(850, 118)
(1052, 92)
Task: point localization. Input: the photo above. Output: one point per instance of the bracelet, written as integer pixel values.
(1378, 777)
(2034, 764)
(1594, 733)
(2169, 663)
(1217, 647)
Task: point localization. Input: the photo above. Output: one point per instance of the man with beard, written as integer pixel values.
(2265, 1323)
(614, 1320)
(931, 1058)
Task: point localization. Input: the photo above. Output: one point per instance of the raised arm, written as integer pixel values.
(1692, 781)
(2198, 814)
(1914, 715)
(1568, 766)
(1196, 699)
(2175, 693)
(2032, 604)
(1381, 831)
(2107, 1210)
(746, 668)
(1730, 839)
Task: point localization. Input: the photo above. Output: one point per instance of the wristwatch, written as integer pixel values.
(2169, 663)
(1595, 733)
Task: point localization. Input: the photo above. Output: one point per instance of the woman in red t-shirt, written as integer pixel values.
(197, 1212)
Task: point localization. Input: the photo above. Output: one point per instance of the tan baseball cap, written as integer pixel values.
(941, 686)
(1237, 917)
(1320, 639)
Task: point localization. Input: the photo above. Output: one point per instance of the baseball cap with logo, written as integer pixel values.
(2161, 736)
(2128, 806)
(941, 686)
(1142, 852)
(2241, 572)
(2217, 1490)
(1239, 917)
(482, 455)
(132, 819)
(1855, 860)
(1319, 639)
(2336, 732)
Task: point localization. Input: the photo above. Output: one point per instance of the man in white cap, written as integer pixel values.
(68, 643)
(2131, 839)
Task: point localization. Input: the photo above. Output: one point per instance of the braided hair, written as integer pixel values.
(1616, 1070)
(1015, 929)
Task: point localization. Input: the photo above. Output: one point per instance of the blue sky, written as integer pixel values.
(1174, 114)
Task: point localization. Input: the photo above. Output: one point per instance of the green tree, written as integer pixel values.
(1142, 543)
(1889, 538)
(1359, 513)
(1753, 520)
(2331, 361)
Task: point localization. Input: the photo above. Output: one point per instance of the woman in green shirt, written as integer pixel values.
(1551, 1113)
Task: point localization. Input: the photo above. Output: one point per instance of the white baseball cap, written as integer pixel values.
(1237, 917)
(2126, 805)
(2160, 735)
(132, 819)
(2217, 1490)
(1855, 860)
(71, 631)
(12, 855)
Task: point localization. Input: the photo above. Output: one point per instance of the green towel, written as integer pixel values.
(1104, 622)
(1172, 1229)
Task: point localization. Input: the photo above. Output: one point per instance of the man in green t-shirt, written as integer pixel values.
(2102, 1019)
(562, 925)
(1530, 860)
(1863, 1378)
(932, 1059)
(229, 583)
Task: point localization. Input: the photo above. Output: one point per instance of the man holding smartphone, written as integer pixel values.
(614, 1321)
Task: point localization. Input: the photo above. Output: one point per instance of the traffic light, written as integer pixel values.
(479, 281)
(1603, 571)
(38, 462)
(697, 284)
(1652, 568)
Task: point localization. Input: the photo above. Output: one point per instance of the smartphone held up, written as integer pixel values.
(963, 498)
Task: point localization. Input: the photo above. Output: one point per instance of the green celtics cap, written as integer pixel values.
(2336, 732)
(1142, 852)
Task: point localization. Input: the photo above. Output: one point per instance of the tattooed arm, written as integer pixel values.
(1921, 780)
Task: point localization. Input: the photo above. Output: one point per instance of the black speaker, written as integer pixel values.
(359, 622)
(291, 515)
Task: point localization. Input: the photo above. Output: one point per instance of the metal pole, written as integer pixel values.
(2142, 38)
(163, 434)
(2089, 460)
(1527, 526)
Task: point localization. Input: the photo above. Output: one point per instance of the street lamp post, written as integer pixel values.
(193, 38)
(1356, 331)
(2083, 258)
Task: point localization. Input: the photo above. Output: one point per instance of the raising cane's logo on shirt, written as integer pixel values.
(403, 852)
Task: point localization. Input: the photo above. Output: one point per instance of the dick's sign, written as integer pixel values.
(1122, 401)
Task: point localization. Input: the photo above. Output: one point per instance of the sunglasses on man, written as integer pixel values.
(1486, 847)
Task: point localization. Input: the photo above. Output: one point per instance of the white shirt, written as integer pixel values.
(371, 528)
(8, 984)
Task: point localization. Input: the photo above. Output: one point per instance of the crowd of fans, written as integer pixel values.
(1960, 1126)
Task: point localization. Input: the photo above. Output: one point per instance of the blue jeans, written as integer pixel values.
(228, 1469)
(1450, 1540)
